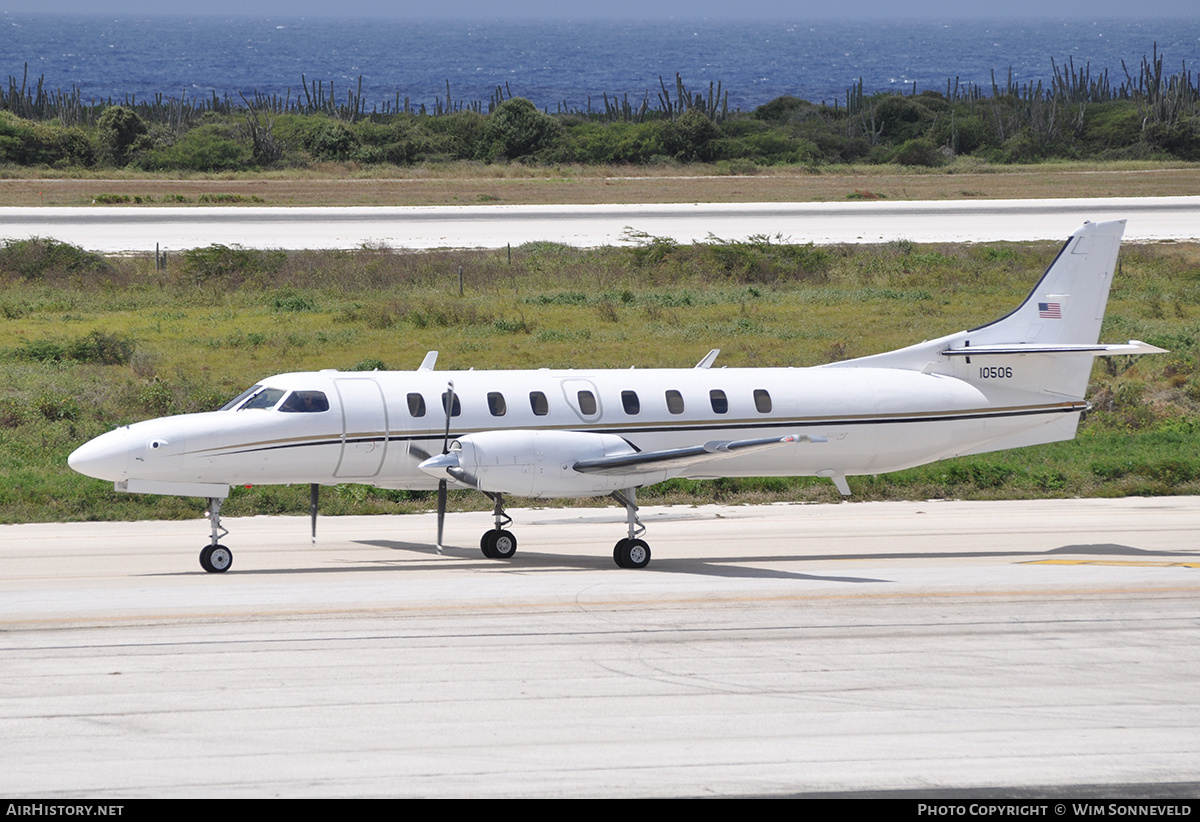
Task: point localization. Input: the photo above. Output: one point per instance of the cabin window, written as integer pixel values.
(457, 412)
(496, 404)
(629, 399)
(762, 400)
(674, 402)
(416, 405)
(264, 399)
(537, 401)
(720, 404)
(587, 403)
(305, 402)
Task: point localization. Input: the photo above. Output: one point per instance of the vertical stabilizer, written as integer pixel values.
(1067, 305)
(1052, 335)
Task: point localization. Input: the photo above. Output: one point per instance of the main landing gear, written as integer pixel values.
(498, 543)
(631, 552)
(216, 558)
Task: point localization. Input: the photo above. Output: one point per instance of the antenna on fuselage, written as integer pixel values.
(709, 359)
(429, 362)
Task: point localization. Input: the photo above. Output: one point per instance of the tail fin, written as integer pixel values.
(1067, 305)
(1044, 346)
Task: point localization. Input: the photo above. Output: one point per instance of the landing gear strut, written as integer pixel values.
(631, 552)
(216, 558)
(498, 543)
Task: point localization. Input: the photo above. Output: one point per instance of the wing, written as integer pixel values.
(672, 458)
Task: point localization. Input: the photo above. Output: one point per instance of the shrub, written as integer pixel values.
(38, 257)
(231, 265)
(902, 118)
(515, 128)
(102, 349)
(332, 140)
(121, 132)
(28, 143)
(691, 136)
(918, 152)
(204, 148)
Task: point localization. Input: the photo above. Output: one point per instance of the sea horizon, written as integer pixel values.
(562, 63)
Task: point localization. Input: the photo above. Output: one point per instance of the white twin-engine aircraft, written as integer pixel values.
(1015, 382)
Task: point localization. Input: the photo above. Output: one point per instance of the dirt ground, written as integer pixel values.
(519, 185)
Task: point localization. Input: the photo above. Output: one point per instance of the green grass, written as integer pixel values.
(85, 348)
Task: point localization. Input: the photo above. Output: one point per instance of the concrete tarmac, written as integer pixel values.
(1000, 647)
(114, 229)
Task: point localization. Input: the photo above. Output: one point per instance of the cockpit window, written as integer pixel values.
(264, 399)
(240, 398)
(305, 402)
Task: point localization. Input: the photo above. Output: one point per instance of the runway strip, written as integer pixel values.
(114, 229)
(766, 650)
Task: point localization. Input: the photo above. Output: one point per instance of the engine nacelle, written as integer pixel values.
(532, 463)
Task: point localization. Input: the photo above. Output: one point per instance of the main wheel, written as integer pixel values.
(216, 559)
(619, 553)
(502, 543)
(632, 553)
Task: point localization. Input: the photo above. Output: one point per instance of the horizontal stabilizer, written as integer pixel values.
(1131, 347)
(682, 457)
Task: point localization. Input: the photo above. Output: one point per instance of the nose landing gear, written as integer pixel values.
(216, 558)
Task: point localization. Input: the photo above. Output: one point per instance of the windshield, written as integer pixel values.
(236, 401)
(264, 399)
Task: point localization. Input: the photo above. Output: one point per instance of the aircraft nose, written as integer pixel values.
(106, 457)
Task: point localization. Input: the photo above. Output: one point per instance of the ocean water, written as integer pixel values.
(563, 63)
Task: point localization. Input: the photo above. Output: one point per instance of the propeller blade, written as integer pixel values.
(449, 414)
(314, 493)
(441, 513)
(441, 497)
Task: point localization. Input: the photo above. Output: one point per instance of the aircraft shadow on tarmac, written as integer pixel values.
(540, 561)
(531, 561)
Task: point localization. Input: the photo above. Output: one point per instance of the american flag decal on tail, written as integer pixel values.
(1050, 311)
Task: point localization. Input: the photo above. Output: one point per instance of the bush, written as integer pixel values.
(204, 148)
(38, 257)
(691, 136)
(121, 133)
(102, 349)
(515, 128)
(97, 347)
(26, 143)
(901, 118)
(918, 152)
(609, 143)
(231, 265)
(332, 140)
(784, 109)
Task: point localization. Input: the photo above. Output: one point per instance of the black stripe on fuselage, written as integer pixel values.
(682, 426)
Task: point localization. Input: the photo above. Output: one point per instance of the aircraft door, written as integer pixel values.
(364, 428)
(583, 398)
